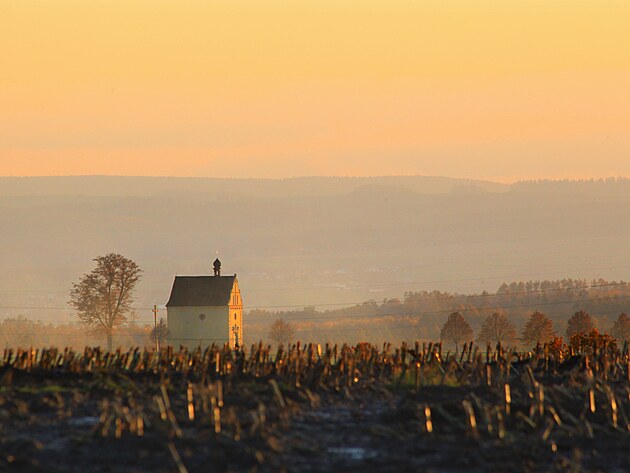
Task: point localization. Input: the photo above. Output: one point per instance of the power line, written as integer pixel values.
(444, 311)
(397, 284)
(426, 298)
(475, 309)
(66, 322)
(406, 284)
(450, 297)
(61, 308)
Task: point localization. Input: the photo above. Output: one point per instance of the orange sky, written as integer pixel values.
(485, 89)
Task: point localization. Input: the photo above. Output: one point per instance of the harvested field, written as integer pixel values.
(314, 409)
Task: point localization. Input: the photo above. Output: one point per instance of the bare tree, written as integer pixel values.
(159, 333)
(580, 322)
(103, 297)
(497, 328)
(621, 328)
(281, 332)
(538, 329)
(456, 329)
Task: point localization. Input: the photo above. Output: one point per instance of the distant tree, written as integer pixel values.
(587, 342)
(558, 348)
(538, 329)
(621, 328)
(103, 297)
(456, 329)
(281, 332)
(18, 332)
(580, 322)
(497, 328)
(159, 333)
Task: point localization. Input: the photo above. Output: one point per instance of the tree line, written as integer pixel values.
(22, 332)
(103, 301)
(421, 314)
(609, 185)
(539, 330)
(497, 329)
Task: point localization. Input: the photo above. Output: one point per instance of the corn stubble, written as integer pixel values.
(306, 407)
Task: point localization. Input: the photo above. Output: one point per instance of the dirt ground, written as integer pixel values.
(172, 421)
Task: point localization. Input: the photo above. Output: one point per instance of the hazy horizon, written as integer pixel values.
(318, 241)
(333, 176)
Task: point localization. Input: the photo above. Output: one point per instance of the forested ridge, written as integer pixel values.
(420, 314)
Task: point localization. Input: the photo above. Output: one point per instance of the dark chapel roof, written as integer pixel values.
(201, 291)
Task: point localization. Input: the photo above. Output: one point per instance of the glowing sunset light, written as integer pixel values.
(485, 89)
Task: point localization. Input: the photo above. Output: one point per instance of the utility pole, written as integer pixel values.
(157, 337)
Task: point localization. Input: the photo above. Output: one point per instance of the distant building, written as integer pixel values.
(205, 309)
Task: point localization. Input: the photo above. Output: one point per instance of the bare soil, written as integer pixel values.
(124, 420)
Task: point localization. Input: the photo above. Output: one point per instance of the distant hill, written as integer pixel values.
(293, 187)
(609, 186)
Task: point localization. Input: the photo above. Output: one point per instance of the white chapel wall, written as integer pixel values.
(187, 328)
